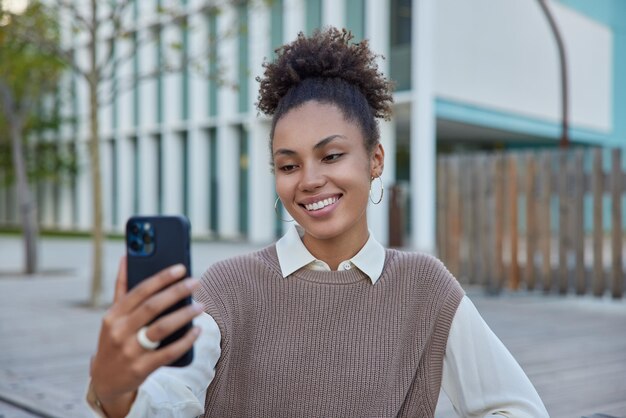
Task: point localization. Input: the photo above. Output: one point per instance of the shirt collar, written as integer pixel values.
(293, 255)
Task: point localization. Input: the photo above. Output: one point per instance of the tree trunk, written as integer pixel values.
(28, 209)
(94, 152)
(96, 186)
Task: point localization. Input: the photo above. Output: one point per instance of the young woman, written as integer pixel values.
(326, 322)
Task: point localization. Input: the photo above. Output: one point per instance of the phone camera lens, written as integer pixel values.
(134, 228)
(147, 238)
(134, 246)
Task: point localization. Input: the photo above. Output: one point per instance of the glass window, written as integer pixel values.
(400, 39)
(213, 65)
(136, 170)
(158, 139)
(213, 181)
(313, 15)
(74, 184)
(243, 180)
(114, 185)
(12, 204)
(114, 88)
(184, 76)
(277, 33)
(159, 83)
(184, 150)
(135, 79)
(355, 18)
(244, 70)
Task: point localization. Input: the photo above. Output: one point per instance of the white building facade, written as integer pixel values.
(469, 75)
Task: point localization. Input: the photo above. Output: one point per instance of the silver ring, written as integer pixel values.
(146, 342)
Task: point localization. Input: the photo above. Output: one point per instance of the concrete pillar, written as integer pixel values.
(147, 87)
(198, 84)
(228, 169)
(65, 195)
(227, 133)
(106, 163)
(148, 176)
(377, 32)
(172, 173)
(198, 181)
(423, 135)
(295, 20)
(261, 191)
(227, 51)
(125, 180)
(125, 92)
(333, 13)
(172, 82)
(84, 189)
(67, 135)
(46, 205)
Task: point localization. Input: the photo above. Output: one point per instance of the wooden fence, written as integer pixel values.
(517, 219)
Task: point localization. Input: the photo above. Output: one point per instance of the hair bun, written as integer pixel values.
(327, 53)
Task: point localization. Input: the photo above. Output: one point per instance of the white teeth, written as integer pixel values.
(321, 204)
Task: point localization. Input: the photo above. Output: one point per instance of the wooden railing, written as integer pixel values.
(549, 220)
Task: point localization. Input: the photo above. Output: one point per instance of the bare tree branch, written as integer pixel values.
(108, 66)
(66, 55)
(70, 7)
(117, 10)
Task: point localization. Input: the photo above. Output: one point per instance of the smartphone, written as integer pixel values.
(154, 243)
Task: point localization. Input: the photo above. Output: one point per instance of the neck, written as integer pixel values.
(334, 250)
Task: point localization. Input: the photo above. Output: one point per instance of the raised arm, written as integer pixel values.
(121, 364)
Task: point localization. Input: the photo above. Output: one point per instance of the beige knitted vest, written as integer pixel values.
(328, 344)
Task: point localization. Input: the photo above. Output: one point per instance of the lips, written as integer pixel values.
(316, 204)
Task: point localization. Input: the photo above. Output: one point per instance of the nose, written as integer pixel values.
(312, 179)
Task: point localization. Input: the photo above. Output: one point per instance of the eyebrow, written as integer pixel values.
(322, 143)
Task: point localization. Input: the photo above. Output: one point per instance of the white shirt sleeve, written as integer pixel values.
(179, 392)
(480, 376)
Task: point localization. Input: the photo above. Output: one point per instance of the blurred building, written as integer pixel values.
(470, 75)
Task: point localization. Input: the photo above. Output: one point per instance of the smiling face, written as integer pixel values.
(323, 174)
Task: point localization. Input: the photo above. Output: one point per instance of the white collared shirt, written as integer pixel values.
(293, 255)
(480, 376)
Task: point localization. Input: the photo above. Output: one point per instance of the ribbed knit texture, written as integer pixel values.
(328, 344)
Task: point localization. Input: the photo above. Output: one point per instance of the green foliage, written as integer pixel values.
(51, 161)
(30, 74)
(30, 70)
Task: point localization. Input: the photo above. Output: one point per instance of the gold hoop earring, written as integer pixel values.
(382, 190)
(277, 213)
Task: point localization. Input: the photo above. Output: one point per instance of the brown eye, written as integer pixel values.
(287, 168)
(332, 157)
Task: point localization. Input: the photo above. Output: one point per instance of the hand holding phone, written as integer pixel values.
(155, 243)
(120, 364)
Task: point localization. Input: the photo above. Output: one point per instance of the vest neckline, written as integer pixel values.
(338, 277)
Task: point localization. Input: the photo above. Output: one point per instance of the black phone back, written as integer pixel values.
(154, 243)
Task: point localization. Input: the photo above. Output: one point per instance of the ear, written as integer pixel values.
(377, 161)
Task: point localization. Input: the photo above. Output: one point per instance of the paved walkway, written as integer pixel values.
(573, 349)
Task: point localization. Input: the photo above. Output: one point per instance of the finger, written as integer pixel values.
(165, 326)
(171, 352)
(150, 286)
(159, 302)
(122, 281)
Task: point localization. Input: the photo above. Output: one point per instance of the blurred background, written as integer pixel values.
(503, 157)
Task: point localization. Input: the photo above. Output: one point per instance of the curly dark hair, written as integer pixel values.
(327, 68)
